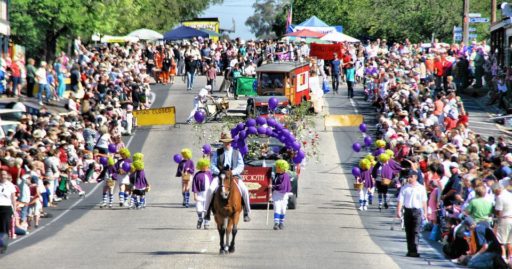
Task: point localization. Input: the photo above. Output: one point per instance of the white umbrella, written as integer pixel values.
(339, 37)
(146, 34)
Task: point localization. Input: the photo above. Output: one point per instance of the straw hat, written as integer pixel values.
(225, 138)
(450, 148)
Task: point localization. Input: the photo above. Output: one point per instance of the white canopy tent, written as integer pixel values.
(146, 34)
(339, 37)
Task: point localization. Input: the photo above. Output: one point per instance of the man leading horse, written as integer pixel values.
(224, 157)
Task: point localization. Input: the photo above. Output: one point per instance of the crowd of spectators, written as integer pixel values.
(423, 129)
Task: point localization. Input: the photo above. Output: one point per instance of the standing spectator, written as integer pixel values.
(75, 78)
(7, 206)
(31, 77)
(42, 81)
(503, 211)
(59, 70)
(351, 79)
(15, 78)
(211, 76)
(335, 73)
(413, 198)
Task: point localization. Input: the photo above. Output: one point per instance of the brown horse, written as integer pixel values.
(227, 206)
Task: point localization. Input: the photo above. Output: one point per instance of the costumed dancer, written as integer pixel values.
(281, 186)
(185, 171)
(136, 157)
(371, 190)
(122, 177)
(384, 172)
(200, 185)
(140, 185)
(107, 177)
(368, 183)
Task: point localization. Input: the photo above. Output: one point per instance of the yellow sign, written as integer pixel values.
(212, 25)
(342, 120)
(156, 116)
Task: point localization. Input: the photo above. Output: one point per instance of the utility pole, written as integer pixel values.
(465, 23)
(493, 12)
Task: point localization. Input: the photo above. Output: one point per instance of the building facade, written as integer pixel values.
(5, 27)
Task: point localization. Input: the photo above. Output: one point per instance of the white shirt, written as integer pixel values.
(413, 196)
(41, 76)
(6, 191)
(504, 203)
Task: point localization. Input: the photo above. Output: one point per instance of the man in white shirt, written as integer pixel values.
(503, 209)
(43, 83)
(413, 197)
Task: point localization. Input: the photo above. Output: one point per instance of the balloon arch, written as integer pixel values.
(265, 127)
(260, 127)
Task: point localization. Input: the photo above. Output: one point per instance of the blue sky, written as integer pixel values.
(239, 10)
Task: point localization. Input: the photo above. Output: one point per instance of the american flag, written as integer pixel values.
(289, 28)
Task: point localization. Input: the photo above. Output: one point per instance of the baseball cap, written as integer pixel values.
(410, 173)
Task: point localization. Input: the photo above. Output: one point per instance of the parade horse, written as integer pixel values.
(227, 207)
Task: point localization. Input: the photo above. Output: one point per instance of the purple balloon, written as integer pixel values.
(261, 120)
(301, 154)
(240, 126)
(272, 103)
(234, 132)
(362, 128)
(244, 150)
(269, 131)
(126, 166)
(356, 171)
(242, 134)
(378, 152)
(112, 148)
(262, 130)
(356, 147)
(296, 145)
(177, 158)
(252, 130)
(207, 149)
(250, 122)
(271, 122)
(234, 144)
(297, 160)
(199, 116)
(103, 160)
(368, 141)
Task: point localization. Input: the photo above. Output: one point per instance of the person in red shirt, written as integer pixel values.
(15, 78)
(438, 72)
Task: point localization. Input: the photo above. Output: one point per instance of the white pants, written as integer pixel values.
(129, 123)
(241, 187)
(364, 192)
(280, 202)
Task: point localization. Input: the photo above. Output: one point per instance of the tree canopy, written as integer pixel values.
(262, 23)
(417, 20)
(40, 24)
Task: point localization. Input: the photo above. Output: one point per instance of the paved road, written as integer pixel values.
(325, 230)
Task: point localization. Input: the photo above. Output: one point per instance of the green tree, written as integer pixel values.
(41, 25)
(263, 22)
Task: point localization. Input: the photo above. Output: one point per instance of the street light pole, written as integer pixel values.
(493, 12)
(465, 23)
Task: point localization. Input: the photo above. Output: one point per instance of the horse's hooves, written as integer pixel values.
(232, 249)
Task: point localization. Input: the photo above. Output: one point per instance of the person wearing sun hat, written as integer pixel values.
(227, 158)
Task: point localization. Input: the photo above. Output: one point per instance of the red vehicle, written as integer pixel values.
(259, 170)
(287, 81)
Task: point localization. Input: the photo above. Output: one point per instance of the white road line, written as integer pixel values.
(354, 105)
(481, 122)
(153, 97)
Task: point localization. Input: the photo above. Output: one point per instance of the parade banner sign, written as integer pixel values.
(156, 116)
(212, 25)
(257, 181)
(326, 51)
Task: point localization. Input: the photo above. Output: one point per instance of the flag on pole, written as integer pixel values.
(289, 28)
